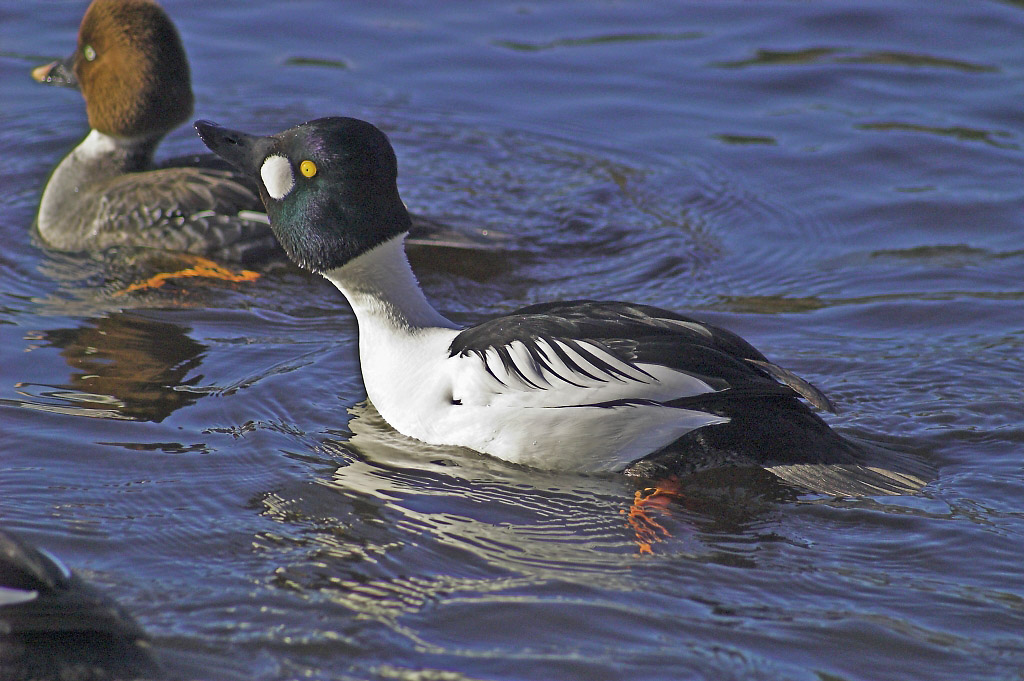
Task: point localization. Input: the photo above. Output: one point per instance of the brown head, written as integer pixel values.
(131, 68)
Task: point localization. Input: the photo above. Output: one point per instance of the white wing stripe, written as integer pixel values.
(549, 363)
(692, 326)
(600, 361)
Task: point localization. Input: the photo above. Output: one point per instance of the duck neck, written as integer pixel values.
(97, 158)
(384, 294)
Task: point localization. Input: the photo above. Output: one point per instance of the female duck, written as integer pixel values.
(131, 68)
(133, 74)
(579, 385)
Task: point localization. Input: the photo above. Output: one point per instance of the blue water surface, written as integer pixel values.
(839, 182)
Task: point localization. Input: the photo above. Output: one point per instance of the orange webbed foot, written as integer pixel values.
(647, 531)
(198, 267)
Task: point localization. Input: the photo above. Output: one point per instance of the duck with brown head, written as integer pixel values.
(131, 69)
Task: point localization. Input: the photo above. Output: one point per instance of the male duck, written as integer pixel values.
(581, 385)
(133, 74)
(55, 626)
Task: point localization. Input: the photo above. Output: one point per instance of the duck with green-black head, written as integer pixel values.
(590, 386)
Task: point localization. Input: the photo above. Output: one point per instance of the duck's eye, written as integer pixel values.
(307, 168)
(89, 53)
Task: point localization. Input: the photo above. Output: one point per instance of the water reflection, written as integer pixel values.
(814, 55)
(123, 366)
(958, 132)
(89, 284)
(395, 501)
(396, 547)
(595, 40)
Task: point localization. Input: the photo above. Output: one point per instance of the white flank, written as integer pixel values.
(423, 393)
(277, 176)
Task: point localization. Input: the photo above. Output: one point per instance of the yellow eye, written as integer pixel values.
(307, 168)
(89, 53)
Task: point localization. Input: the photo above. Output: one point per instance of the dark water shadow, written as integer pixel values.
(123, 366)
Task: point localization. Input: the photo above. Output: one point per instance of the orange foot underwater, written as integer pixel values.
(200, 267)
(646, 530)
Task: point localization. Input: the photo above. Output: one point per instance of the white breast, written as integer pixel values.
(455, 401)
(537, 411)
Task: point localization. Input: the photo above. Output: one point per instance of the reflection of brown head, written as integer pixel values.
(132, 69)
(134, 363)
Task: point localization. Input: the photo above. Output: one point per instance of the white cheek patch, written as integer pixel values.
(277, 176)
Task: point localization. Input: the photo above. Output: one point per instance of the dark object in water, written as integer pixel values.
(55, 626)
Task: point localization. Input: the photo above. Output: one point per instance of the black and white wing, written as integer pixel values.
(588, 352)
(734, 406)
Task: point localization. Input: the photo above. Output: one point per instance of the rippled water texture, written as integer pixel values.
(839, 182)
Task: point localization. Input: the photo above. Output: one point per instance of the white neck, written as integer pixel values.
(403, 341)
(126, 153)
(383, 291)
(98, 157)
